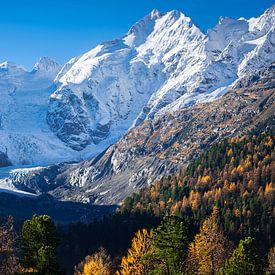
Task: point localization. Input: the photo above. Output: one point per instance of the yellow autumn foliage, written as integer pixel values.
(205, 179)
(134, 263)
(240, 169)
(209, 250)
(269, 190)
(97, 264)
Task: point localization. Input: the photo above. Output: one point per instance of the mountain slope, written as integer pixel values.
(25, 137)
(159, 146)
(162, 145)
(236, 175)
(165, 62)
(102, 92)
(233, 176)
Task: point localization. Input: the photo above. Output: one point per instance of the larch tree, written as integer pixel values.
(209, 250)
(271, 261)
(97, 264)
(138, 260)
(9, 261)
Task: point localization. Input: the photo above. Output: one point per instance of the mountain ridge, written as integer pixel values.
(163, 63)
(157, 147)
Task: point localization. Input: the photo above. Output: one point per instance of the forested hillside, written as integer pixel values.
(214, 217)
(149, 154)
(236, 175)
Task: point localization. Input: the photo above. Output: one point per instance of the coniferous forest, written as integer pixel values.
(215, 216)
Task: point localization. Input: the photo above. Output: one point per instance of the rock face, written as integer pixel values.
(4, 160)
(46, 67)
(161, 145)
(164, 63)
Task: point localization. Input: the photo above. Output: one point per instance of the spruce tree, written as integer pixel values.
(244, 260)
(39, 244)
(170, 244)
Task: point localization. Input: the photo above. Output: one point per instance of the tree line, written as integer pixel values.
(169, 250)
(236, 175)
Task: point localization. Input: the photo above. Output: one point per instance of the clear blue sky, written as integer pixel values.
(62, 29)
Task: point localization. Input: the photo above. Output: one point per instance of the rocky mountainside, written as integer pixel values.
(165, 62)
(158, 146)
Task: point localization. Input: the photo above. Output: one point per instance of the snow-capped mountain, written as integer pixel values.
(165, 62)
(47, 68)
(154, 148)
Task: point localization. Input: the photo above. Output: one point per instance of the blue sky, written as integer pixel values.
(62, 29)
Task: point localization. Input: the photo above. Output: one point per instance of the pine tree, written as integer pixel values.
(244, 260)
(170, 245)
(39, 244)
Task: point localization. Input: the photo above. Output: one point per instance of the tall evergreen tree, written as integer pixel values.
(39, 244)
(170, 245)
(244, 260)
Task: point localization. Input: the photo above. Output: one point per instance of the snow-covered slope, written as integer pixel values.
(165, 62)
(24, 134)
(154, 148)
(7, 177)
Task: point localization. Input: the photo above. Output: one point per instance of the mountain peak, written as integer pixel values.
(46, 64)
(155, 13)
(11, 67)
(142, 24)
(141, 29)
(270, 10)
(261, 25)
(225, 20)
(176, 14)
